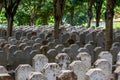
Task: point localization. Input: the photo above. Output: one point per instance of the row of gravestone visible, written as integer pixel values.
(80, 69)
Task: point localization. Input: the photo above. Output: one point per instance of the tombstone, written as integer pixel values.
(36, 46)
(51, 70)
(19, 58)
(22, 72)
(33, 37)
(85, 58)
(44, 49)
(41, 35)
(82, 36)
(38, 40)
(79, 44)
(65, 37)
(56, 41)
(105, 66)
(22, 46)
(4, 33)
(3, 58)
(18, 35)
(69, 52)
(89, 37)
(59, 48)
(36, 76)
(27, 49)
(117, 73)
(90, 48)
(83, 50)
(97, 51)
(67, 75)
(30, 42)
(51, 45)
(74, 48)
(51, 54)
(25, 40)
(39, 61)
(63, 61)
(5, 76)
(3, 70)
(29, 35)
(79, 68)
(95, 74)
(106, 55)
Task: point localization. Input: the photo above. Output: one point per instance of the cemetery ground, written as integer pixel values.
(32, 53)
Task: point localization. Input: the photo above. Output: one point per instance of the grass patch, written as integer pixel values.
(116, 25)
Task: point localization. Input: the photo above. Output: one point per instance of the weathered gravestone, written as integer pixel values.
(22, 46)
(39, 61)
(51, 45)
(66, 75)
(38, 40)
(51, 70)
(105, 66)
(63, 61)
(22, 72)
(3, 58)
(5, 77)
(36, 76)
(117, 73)
(95, 74)
(74, 48)
(3, 70)
(36, 46)
(44, 49)
(59, 48)
(97, 51)
(79, 69)
(85, 58)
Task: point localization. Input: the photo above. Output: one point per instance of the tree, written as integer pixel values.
(98, 7)
(10, 11)
(58, 12)
(90, 14)
(109, 14)
(1, 4)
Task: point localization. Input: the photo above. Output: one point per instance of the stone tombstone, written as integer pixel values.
(33, 37)
(38, 40)
(79, 68)
(27, 49)
(39, 61)
(19, 58)
(105, 66)
(44, 49)
(106, 55)
(90, 48)
(97, 51)
(117, 73)
(65, 37)
(74, 48)
(89, 37)
(22, 46)
(83, 50)
(25, 40)
(41, 35)
(118, 56)
(85, 58)
(69, 52)
(5, 76)
(59, 48)
(66, 75)
(36, 76)
(118, 63)
(3, 58)
(3, 33)
(115, 53)
(29, 35)
(18, 35)
(95, 74)
(63, 61)
(32, 54)
(36, 46)
(51, 71)
(22, 72)
(3, 70)
(51, 54)
(56, 41)
(30, 42)
(51, 45)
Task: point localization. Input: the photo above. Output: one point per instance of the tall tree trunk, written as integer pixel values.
(10, 26)
(58, 12)
(109, 23)
(98, 8)
(31, 23)
(71, 15)
(90, 14)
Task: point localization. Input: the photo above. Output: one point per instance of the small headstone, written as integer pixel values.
(51, 71)
(3, 70)
(59, 48)
(117, 73)
(36, 46)
(39, 61)
(5, 77)
(97, 51)
(22, 46)
(63, 60)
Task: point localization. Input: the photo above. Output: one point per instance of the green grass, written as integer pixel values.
(116, 25)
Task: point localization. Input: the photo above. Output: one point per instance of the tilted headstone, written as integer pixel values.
(51, 71)
(95, 74)
(51, 54)
(59, 48)
(85, 58)
(39, 61)
(79, 69)
(36, 76)
(22, 72)
(105, 66)
(66, 75)
(63, 61)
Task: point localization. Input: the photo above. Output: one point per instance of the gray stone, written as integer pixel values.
(59, 48)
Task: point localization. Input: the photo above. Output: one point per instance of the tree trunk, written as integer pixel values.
(98, 8)
(10, 26)
(90, 14)
(31, 23)
(109, 23)
(71, 15)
